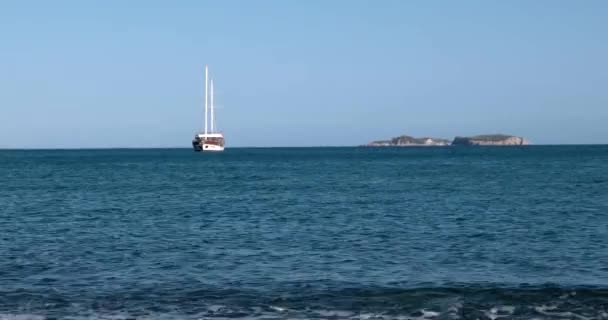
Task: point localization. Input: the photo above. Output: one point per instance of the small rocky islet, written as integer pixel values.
(479, 140)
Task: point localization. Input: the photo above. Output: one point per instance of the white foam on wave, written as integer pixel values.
(341, 314)
(265, 312)
(429, 314)
(216, 307)
(499, 312)
(368, 316)
(549, 311)
(278, 309)
(21, 317)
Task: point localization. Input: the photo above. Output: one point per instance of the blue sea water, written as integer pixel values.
(305, 233)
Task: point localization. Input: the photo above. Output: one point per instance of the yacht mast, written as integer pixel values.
(206, 86)
(212, 113)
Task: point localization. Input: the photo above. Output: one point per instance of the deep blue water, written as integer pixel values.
(310, 233)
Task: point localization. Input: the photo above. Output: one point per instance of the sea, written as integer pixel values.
(305, 233)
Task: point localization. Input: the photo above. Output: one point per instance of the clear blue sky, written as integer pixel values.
(130, 73)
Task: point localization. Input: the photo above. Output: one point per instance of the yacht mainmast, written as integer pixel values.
(206, 86)
(212, 109)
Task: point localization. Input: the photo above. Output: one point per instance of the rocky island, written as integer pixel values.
(490, 140)
(480, 140)
(407, 141)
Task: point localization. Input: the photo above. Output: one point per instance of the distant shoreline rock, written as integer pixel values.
(480, 140)
(408, 141)
(490, 140)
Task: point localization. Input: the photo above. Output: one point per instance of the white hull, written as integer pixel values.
(212, 148)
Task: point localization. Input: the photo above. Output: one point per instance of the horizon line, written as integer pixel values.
(288, 147)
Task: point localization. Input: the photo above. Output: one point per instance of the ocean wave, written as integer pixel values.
(356, 304)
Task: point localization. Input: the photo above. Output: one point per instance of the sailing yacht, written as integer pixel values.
(210, 139)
